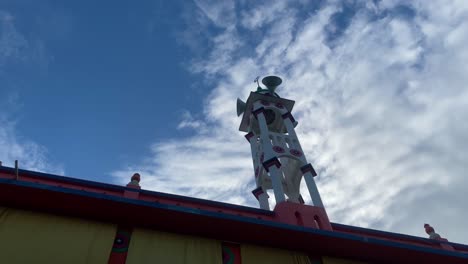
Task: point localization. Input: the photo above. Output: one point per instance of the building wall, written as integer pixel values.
(34, 237)
(149, 246)
(251, 254)
(31, 237)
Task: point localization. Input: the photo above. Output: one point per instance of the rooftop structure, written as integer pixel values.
(129, 208)
(47, 218)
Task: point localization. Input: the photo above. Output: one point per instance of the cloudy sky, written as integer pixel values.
(101, 90)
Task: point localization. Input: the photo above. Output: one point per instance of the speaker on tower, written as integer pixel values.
(240, 107)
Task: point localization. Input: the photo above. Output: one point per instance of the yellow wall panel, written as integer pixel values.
(30, 237)
(148, 246)
(263, 255)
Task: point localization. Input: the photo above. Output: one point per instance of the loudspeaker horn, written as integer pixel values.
(272, 82)
(240, 107)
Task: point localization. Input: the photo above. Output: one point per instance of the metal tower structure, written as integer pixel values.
(278, 159)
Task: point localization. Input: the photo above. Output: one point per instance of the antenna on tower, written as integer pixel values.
(258, 84)
(271, 82)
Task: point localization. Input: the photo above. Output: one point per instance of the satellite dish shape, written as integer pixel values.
(272, 82)
(240, 107)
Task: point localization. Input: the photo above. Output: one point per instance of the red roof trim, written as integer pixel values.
(79, 183)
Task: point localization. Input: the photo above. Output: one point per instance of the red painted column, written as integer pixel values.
(231, 253)
(120, 248)
(124, 233)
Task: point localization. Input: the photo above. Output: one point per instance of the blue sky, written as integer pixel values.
(95, 83)
(99, 90)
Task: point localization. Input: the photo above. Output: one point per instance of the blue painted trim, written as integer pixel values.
(383, 233)
(235, 218)
(209, 202)
(122, 189)
(398, 235)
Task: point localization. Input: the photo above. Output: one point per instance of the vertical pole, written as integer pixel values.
(313, 191)
(289, 123)
(16, 169)
(262, 198)
(308, 170)
(252, 138)
(264, 132)
(276, 180)
(272, 165)
(263, 201)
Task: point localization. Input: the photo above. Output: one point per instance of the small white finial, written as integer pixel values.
(134, 181)
(431, 232)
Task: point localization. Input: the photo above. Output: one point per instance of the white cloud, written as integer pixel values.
(258, 16)
(31, 156)
(188, 121)
(381, 113)
(221, 13)
(12, 43)
(15, 48)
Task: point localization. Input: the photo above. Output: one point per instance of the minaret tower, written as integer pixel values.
(278, 159)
